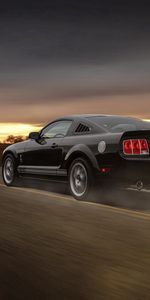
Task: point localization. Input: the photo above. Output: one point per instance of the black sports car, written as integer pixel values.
(85, 149)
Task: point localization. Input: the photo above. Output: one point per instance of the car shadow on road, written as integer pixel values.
(119, 198)
(54, 186)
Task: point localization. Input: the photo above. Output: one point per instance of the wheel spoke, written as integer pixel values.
(8, 171)
(78, 179)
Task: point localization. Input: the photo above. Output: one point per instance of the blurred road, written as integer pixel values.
(53, 247)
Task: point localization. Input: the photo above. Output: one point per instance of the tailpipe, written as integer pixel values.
(139, 185)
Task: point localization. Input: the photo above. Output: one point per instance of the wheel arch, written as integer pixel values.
(80, 151)
(7, 152)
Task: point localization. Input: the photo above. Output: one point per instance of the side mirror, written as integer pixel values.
(34, 136)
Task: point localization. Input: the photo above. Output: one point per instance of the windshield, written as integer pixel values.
(120, 124)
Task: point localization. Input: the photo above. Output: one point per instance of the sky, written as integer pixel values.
(63, 57)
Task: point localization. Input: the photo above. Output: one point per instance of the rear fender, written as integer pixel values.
(82, 150)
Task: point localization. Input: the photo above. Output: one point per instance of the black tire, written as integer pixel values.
(9, 170)
(78, 192)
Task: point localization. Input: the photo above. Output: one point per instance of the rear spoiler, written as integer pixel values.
(136, 134)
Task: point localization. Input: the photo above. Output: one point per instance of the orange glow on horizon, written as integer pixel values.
(16, 129)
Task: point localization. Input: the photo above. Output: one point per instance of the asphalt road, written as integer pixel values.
(53, 247)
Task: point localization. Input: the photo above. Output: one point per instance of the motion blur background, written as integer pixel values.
(63, 57)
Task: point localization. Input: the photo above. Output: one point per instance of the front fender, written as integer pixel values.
(10, 149)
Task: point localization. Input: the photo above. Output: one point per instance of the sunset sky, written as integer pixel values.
(63, 57)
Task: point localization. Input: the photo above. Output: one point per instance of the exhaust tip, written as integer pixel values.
(139, 185)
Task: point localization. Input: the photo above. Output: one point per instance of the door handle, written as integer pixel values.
(54, 145)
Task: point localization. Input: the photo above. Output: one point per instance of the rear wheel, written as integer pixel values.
(80, 179)
(9, 170)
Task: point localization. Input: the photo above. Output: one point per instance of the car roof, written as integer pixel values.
(83, 116)
(88, 116)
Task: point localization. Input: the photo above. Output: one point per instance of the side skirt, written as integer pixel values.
(42, 170)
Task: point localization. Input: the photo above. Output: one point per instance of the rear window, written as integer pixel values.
(120, 124)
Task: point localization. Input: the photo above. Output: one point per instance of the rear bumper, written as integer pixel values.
(127, 174)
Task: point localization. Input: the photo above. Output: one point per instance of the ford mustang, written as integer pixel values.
(86, 150)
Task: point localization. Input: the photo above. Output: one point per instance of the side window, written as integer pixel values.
(56, 129)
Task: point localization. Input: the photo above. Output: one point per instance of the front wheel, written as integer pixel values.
(9, 171)
(80, 179)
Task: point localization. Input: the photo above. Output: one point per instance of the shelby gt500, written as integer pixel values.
(87, 150)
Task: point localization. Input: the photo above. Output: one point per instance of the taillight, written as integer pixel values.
(127, 147)
(135, 147)
(144, 147)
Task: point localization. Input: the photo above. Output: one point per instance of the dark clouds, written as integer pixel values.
(78, 50)
(73, 32)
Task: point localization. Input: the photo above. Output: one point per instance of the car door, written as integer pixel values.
(46, 152)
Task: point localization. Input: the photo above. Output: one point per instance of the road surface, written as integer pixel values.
(53, 247)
